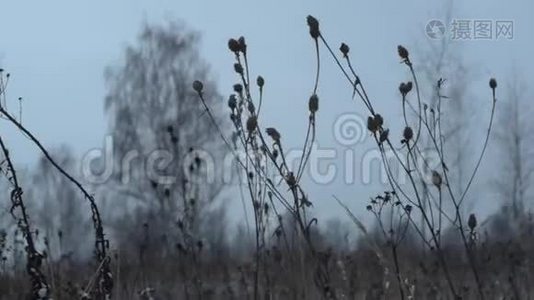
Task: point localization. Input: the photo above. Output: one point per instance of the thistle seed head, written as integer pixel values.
(493, 83)
(198, 86)
(313, 103)
(403, 52)
(344, 49)
(408, 133)
(314, 27)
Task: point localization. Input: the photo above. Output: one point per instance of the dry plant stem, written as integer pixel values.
(295, 188)
(418, 204)
(397, 270)
(40, 289)
(440, 254)
(419, 114)
(101, 244)
(353, 84)
(457, 204)
(311, 121)
(269, 183)
(488, 132)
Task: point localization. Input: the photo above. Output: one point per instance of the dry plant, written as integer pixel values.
(288, 256)
(40, 289)
(401, 202)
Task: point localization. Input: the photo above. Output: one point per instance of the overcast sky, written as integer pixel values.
(56, 52)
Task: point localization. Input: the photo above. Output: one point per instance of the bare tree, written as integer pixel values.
(515, 157)
(166, 154)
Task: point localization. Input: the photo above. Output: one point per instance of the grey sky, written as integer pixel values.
(56, 52)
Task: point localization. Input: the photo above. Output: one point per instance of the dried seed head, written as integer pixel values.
(238, 68)
(408, 208)
(232, 101)
(314, 27)
(369, 207)
(403, 52)
(242, 44)
(408, 133)
(371, 124)
(313, 103)
(344, 49)
(405, 88)
(260, 81)
(198, 86)
(273, 133)
(379, 121)
(402, 88)
(234, 46)
(290, 179)
(493, 83)
(472, 222)
(252, 123)
(238, 88)
(436, 179)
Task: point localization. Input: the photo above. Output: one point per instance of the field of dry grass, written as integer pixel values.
(421, 245)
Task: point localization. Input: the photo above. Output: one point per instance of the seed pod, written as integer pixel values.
(238, 68)
(379, 121)
(369, 207)
(234, 46)
(493, 83)
(408, 208)
(252, 123)
(238, 88)
(290, 179)
(242, 44)
(402, 88)
(408, 133)
(314, 27)
(405, 88)
(436, 179)
(313, 103)
(260, 81)
(472, 222)
(371, 124)
(403, 52)
(344, 49)
(273, 133)
(198, 86)
(232, 102)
